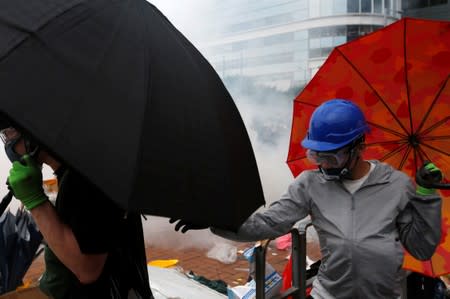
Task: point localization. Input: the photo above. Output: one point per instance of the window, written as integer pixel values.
(315, 53)
(326, 42)
(339, 40)
(326, 7)
(353, 5)
(314, 43)
(366, 6)
(322, 40)
(340, 7)
(388, 7)
(314, 8)
(437, 2)
(422, 3)
(377, 6)
(279, 38)
(352, 32)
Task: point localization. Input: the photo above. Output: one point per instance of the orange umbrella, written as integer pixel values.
(399, 76)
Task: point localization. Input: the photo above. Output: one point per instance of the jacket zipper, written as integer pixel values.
(354, 274)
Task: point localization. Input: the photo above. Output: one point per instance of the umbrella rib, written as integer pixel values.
(439, 123)
(433, 138)
(297, 159)
(307, 104)
(436, 149)
(373, 89)
(386, 129)
(424, 154)
(400, 141)
(31, 33)
(393, 152)
(406, 78)
(415, 153)
(432, 106)
(6, 54)
(15, 26)
(405, 157)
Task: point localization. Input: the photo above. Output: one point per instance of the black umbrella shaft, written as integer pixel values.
(441, 186)
(5, 202)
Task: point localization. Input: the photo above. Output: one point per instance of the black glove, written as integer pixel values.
(426, 177)
(186, 225)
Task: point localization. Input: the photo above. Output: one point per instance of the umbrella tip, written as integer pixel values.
(414, 140)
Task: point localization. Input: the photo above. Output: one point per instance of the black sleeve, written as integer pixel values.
(93, 217)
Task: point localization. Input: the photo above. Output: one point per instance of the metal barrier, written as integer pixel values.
(298, 288)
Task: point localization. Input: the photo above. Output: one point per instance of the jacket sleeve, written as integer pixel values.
(276, 220)
(419, 224)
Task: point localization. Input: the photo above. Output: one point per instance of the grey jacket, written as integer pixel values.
(361, 235)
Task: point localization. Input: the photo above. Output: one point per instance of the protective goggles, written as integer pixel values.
(9, 134)
(333, 159)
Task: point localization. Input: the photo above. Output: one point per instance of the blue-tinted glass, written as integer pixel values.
(437, 2)
(388, 6)
(366, 6)
(377, 6)
(353, 5)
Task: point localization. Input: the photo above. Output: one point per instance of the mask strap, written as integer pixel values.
(31, 148)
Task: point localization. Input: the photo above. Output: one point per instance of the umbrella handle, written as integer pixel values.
(441, 186)
(5, 202)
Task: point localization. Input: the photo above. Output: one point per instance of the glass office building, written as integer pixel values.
(282, 43)
(428, 9)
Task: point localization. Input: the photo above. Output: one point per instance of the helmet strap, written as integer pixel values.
(345, 172)
(31, 147)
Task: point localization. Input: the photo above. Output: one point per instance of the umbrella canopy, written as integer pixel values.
(114, 90)
(19, 241)
(399, 76)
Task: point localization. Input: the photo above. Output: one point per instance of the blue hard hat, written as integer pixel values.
(334, 124)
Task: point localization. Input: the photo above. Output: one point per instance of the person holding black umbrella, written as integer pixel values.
(364, 211)
(95, 249)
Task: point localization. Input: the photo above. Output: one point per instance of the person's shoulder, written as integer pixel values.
(387, 171)
(307, 176)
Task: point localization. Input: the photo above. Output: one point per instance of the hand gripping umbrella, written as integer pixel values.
(399, 76)
(112, 89)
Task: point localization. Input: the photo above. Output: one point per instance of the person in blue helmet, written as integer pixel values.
(365, 212)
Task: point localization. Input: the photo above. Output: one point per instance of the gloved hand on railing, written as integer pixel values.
(428, 175)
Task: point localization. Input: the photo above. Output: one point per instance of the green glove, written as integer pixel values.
(25, 181)
(426, 176)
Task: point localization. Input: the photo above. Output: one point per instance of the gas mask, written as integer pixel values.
(10, 138)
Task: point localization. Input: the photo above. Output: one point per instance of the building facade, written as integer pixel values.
(428, 9)
(282, 43)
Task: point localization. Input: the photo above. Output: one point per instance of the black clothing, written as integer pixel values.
(99, 227)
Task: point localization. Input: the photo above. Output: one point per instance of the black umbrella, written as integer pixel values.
(19, 241)
(113, 89)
